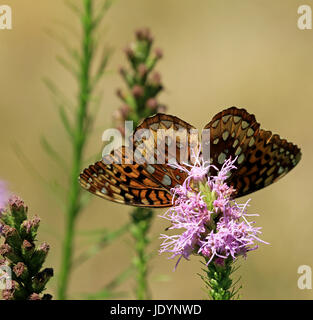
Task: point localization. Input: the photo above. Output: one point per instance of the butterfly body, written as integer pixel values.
(262, 159)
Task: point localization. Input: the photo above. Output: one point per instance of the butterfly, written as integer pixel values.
(262, 158)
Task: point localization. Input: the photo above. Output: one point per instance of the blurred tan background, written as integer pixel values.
(217, 53)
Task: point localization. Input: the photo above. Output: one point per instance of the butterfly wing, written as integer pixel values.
(163, 139)
(129, 184)
(262, 157)
(147, 182)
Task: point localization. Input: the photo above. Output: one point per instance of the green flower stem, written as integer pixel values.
(218, 280)
(79, 138)
(141, 222)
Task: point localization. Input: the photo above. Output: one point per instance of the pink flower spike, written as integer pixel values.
(214, 225)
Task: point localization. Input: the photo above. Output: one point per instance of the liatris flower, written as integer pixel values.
(21, 254)
(216, 227)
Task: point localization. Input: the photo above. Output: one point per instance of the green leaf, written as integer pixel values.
(109, 291)
(73, 6)
(58, 95)
(33, 170)
(53, 153)
(73, 53)
(105, 294)
(162, 278)
(101, 12)
(65, 121)
(104, 237)
(102, 66)
(68, 66)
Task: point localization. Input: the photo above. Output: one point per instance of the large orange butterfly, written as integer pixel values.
(262, 159)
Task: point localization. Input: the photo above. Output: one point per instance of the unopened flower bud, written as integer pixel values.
(122, 71)
(5, 249)
(155, 79)
(158, 53)
(120, 94)
(137, 91)
(44, 247)
(41, 279)
(27, 245)
(11, 236)
(39, 256)
(162, 108)
(8, 294)
(121, 129)
(144, 34)
(125, 110)
(30, 227)
(34, 296)
(35, 223)
(152, 104)
(28, 248)
(142, 70)
(16, 203)
(16, 292)
(129, 52)
(138, 34)
(7, 252)
(20, 270)
(27, 224)
(8, 231)
(18, 209)
(117, 115)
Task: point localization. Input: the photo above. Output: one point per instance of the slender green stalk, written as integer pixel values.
(141, 222)
(79, 138)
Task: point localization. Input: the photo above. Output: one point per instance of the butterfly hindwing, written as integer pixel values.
(262, 158)
(169, 140)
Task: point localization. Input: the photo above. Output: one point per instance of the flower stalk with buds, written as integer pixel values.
(140, 101)
(142, 82)
(21, 254)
